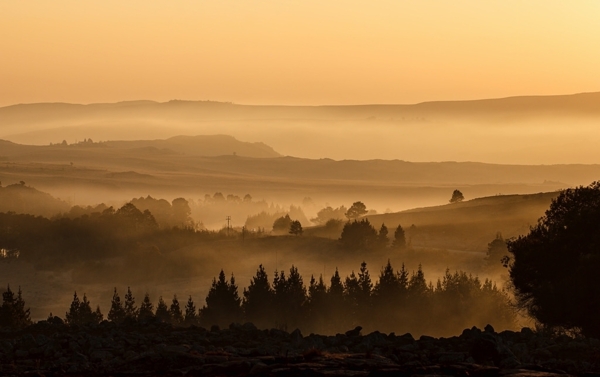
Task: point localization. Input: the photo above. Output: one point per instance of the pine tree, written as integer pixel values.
(191, 316)
(85, 311)
(162, 311)
(98, 316)
(13, 312)
(175, 311)
(131, 310)
(223, 304)
(72, 316)
(117, 312)
(22, 316)
(317, 304)
(382, 237)
(258, 300)
(290, 297)
(417, 286)
(399, 238)
(364, 282)
(146, 308)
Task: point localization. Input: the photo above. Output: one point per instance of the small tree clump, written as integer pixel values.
(296, 228)
(356, 210)
(13, 312)
(457, 197)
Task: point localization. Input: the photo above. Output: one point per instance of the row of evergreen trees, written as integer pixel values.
(399, 301)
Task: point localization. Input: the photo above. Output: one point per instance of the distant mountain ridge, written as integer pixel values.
(200, 145)
(583, 104)
(513, 130)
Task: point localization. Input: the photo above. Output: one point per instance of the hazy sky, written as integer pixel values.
(295, 52)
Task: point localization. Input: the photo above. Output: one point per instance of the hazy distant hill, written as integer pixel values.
(469, 225)
(20, 198)
(179, 167)
(201, 145)
(521, 130)
(33, 116)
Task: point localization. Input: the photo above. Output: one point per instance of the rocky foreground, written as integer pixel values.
(136, 349)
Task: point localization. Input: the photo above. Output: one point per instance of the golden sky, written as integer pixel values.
(296, 52)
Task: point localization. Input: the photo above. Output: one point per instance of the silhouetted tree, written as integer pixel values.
(117, 312)
(131, 311)
(282, 224)
(457, 197)
(146, 308)
(356, 210)
(175, 311)
(554, 268)
(399, 238)
(72, 316)
(162, 311)
(417, 285)
(358, 235)
(13, 312)
(191, 316)
(317, 304)
(222, 303)
(81, 312)
(182, 213)
(296, 228)
(382, 237)
(496, 251)
(336, 305)
(290, 297)
(258, 300)
(329, 213)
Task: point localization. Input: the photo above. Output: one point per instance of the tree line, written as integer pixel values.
(399, 300)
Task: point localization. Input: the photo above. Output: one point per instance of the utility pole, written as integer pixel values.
(228, 218)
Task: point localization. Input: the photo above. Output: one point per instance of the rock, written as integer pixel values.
(355, 332)
(296, 336)
(484, 350)
(451, 357)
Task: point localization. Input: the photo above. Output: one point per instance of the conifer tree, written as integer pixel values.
(98, 316)
(72, 316)
(417, 286)
(223, 304)
(352, 295)
(175, 311)
(364, 282)
(85, 310)
(131, 311)
(80, 312)
(117, 312)
(382, 237)
(13, 312)
(22, 316)
(146, 308)
(191, 316)
(290, 297)
(399, 238)
(317, 304)
(162, 311)
(258, 300)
